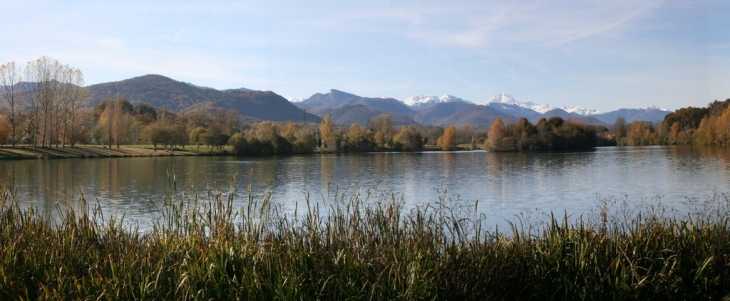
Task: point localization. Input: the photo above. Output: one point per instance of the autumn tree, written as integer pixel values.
(354, 138)
(155, 134)
(379, 139)
(304, 141)
(383, 124)
(5, 129)
(722, 127)
(525, 135)
(705, 134)
(408, 139)
(197, 135)
(640, 133)
(327, 131)
(447, 141)
(116, 120)
(288, 131)
(495, 135)
(268, 132)
(239, 144)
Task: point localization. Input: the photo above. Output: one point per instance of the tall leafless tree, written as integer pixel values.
(10, 79)
(41, 91)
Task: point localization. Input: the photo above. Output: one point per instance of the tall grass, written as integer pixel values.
(365, 246)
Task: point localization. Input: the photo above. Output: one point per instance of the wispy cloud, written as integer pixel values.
(179, 34)
(467, 48)
(481, 25)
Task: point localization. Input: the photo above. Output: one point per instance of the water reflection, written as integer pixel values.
(504, 183)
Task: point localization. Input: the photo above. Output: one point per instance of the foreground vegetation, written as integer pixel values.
(367, 246)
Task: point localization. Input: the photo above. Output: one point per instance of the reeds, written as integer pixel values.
(365, 246)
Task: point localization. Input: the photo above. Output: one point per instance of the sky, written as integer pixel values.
(602, 55)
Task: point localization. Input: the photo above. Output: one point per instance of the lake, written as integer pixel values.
(504, 184)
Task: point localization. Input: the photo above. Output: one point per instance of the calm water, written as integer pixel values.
(503, 184)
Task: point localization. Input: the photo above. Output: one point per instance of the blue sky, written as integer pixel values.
(596, 54)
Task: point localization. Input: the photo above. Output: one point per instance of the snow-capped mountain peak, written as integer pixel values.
(508, 99)
(653, 107)
(294, 99)
(503, 98)
(540, 108)
(424, 101)
(580, 110)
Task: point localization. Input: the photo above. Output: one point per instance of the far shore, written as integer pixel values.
(102, 151)
(8, 152)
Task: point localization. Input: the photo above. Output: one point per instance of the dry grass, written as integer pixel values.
(361, 247)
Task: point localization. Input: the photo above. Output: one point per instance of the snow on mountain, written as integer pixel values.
(580, 110)
(508, 99)
(425, 101)
(540, 108)
(294, 99)
(653, 107)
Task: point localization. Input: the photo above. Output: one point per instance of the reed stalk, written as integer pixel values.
(224, 244)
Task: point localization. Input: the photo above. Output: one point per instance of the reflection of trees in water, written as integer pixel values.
(326, 164)
(448, 161)
(506, 179)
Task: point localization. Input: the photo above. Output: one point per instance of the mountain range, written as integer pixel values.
(449, 109)
(176, 96)
(347, 108)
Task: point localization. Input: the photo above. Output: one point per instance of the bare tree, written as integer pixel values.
(72, 96)
(225, 122)
(41, 90)
(198, 118)
(10, 79)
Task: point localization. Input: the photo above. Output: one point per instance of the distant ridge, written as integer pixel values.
(322, 103)
(176, 96)
(459, 113)
(509, 105)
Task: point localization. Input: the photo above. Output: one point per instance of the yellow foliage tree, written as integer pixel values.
(447, 140)
(379, 139)
(327, 129)
(495, 135)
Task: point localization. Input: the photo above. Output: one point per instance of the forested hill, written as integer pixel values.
(163, 92)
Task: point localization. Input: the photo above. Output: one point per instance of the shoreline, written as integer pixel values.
(26, 152)
(88, 151)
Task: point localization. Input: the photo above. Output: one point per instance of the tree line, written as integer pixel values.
(707, 126)
(46, 104)
(41, 103)
(547, 135)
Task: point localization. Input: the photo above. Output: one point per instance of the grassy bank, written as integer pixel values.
(365, 247)
(98, 151)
